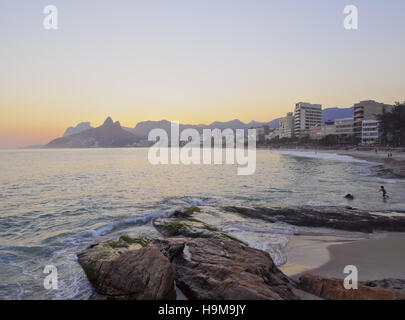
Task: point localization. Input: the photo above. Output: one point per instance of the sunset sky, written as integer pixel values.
(194, 61)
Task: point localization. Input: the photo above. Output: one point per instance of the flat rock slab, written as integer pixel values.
(342, 218)
(189, 227)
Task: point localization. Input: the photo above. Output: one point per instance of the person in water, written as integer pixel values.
(349, 197)
(384, 192)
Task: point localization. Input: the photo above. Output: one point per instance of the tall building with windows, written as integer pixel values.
(306, 115)
(367, 110)
(286, 128)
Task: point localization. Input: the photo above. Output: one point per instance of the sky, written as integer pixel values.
(193, 61)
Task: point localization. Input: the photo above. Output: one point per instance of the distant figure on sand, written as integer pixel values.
(349, 197)
(384, 192)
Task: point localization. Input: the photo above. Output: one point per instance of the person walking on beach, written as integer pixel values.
(384, 192)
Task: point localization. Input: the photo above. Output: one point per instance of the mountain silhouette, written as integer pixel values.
(112, 134)
(82, 126)
(336, 113)
(108, 135)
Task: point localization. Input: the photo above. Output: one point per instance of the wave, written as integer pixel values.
(323, 156)
(105, 230)
(197, 202)
(390, 181)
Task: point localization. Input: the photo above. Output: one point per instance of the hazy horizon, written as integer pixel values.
(190, 61)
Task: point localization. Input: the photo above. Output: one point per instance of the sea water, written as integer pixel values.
(54, 203)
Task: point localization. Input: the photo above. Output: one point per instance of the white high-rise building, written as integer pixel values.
(306, 115)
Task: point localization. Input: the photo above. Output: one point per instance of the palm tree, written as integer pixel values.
(392, 125)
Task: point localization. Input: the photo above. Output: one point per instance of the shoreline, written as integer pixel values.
(376, 258)
(396, 164)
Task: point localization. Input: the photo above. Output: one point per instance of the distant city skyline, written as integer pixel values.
(190, 61)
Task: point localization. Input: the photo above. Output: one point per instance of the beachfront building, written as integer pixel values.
(344, 126)
(306, 115)
(344, 130)
(319, 131)
(370, 131)
(286, 129)
(367, 110)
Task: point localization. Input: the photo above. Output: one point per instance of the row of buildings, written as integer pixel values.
(306, 121)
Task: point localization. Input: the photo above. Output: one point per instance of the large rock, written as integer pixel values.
(202, 268)
(343, 218)
(182, 223)
(333, 289)
(129, 269)
(209, 269)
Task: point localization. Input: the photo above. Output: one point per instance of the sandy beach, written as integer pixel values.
(377, 258)
(396, 164)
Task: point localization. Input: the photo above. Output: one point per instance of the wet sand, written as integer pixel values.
(396, 164)
(378, 258)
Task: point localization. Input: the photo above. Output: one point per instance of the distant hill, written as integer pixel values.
(336, 113)
(108, 135)
(82, 126)
(111, 134)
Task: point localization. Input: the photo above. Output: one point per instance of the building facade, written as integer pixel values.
(322, 130)
(315, 132)
(367, 110)
(370, 131)
(345, 130)
(344, 126)
(286, 128)
(328, 128)
(306, 115)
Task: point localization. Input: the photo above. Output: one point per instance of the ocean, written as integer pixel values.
(54, 203)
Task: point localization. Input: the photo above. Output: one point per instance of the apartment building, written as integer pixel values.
(344, 126)
(286, 128)
(367, 110)
(370, 131)
(306, 115)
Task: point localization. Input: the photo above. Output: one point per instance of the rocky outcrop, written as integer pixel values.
(333, 289)
(145, 268)
(204, 263)
(343, 218)
(208, 269)
(129, 269)
(392, 284)
(182, 223)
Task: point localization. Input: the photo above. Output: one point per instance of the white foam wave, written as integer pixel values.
(323, 156)
(197, 202)
(138, 220)
(390, 181)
